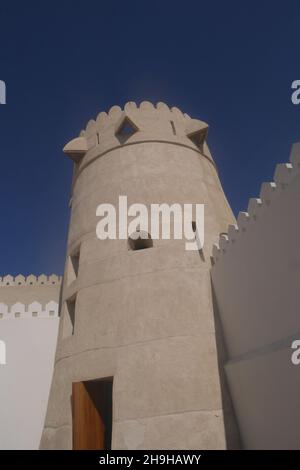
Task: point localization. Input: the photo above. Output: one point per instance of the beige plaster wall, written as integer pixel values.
(144, 317)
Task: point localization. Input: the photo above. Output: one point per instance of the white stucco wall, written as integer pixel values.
(25, 379)
(256, 280)
(29, 332)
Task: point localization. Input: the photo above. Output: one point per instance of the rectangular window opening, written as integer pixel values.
(73, 265)
(69, 320)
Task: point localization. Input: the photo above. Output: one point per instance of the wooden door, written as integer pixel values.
(88, 424)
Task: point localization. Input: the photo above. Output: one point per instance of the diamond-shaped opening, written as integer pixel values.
(198, 139)
(126, 130)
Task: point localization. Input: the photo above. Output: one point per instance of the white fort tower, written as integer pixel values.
(137, 364)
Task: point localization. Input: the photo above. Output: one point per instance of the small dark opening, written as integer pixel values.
(143, 241)
(173, 127)
(74, 262)
(71, 304)
(198, 139)
(194, 228)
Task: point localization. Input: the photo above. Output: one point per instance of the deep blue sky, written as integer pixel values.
(229, 63)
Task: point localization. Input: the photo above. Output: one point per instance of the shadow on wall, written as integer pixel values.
(232, 434)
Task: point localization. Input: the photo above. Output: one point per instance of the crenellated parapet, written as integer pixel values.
(255, 280)
(31, 280)
(135, 124)
(34, 309)
(285, 174)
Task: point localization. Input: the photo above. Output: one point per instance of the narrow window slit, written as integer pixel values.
(173, 127)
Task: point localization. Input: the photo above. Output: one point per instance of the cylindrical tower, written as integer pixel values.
(136, 363)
